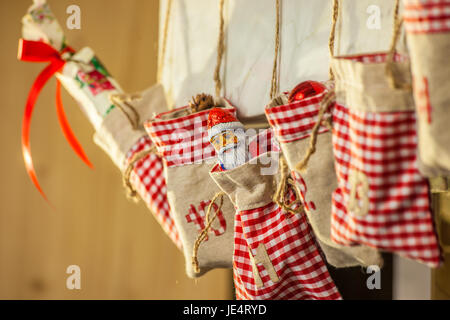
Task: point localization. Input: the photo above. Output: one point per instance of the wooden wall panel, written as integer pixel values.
(122, 251)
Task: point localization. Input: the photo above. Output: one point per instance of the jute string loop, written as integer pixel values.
(331, 40)
(393, 81)
(274, 85)
(124, 102)
(220, 50)
(327, 99)
(131, 192)
(282, 194)
(202, 236)
(162, 56)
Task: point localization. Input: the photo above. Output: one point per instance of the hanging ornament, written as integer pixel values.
(306, 90)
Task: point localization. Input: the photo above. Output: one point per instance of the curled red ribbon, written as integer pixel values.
(36, 51)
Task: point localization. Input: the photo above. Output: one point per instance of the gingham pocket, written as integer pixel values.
(382, 200)
(181, 139)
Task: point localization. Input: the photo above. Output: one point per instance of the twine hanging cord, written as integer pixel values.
(283, 192)
(274, 84)
(202, 236)
(125, 102)
(327, 100)
(130, 190)
(389, 71)
(220, 50)
(162, 56)
(331, 39)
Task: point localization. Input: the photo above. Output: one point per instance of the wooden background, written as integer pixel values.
(121, 249)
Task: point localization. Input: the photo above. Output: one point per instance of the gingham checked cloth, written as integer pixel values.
(293, 122)
(183, 140)
(292, 249)
(427, 16)
(148, 179)
(293, 267)
(379, 150)
(382, 200)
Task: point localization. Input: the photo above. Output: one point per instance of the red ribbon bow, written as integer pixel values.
(36, 51)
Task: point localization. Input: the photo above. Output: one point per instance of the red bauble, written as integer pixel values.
(305, 90)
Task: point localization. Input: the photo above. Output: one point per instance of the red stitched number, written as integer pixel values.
(198, 217)
(310, 206)
(423, 96)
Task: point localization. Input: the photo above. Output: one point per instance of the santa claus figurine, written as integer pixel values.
(227, 136)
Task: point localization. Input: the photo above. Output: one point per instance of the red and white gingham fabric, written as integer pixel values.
(262, 143)
(382, 147)
(149, 182)
(294, 121)
(427, 16)
(184, 140)
(293, 251)
(290, 245)
(239, 287)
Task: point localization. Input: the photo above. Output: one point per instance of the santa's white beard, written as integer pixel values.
(233, 155)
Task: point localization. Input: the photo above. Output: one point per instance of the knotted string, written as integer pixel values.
(287, 185)
(202, 236)
(327, 99)
(130, 190)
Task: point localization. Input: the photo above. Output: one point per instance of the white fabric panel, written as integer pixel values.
(250, 36)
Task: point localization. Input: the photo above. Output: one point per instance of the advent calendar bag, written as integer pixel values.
(292, 123)
(181, 138)
(117, 117)
(381, 200)
(427, 25)
(275, 256)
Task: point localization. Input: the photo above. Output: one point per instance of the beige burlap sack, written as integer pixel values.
(382, 200)
(123, 125)
(181, 138)
(429, 47)
(274, 246)
(292, 124)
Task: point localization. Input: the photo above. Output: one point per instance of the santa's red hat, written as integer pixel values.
(220, 120)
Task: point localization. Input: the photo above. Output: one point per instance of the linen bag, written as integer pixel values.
(181, 139)
(427, 25)
(275, 252)
(292, 124)
(381, 200)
